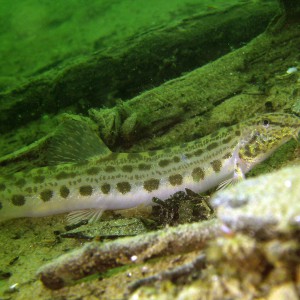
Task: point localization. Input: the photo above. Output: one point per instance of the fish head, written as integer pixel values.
(262, 135)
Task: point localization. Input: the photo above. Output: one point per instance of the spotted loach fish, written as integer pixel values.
(86, 178)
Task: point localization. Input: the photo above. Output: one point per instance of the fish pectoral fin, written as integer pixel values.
(91, 215)
(224, 184)
(238, 176)
(75, 141)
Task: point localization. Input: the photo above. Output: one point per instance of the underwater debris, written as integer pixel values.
(107, 229)
(181, 208)
(96, 257)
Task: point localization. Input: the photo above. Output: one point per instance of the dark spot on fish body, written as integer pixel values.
(246, 152)
(237, 132)
(105, 188)
(38, 179)
(93, 171)
(28, 190)
(61, 175)
(216, 165)
(253, 139)
(127, 168)
(18, 200)
(257, 148)
(198, 152)
(144, 167)
(226, 140)
(124, 187)
(176, 159)
(164, 162)
(175, 179)
(72, 174)
(212, 146)
(86, 190)
(247, 148)
(64, 191)
(110, 169)
(151, 185)
(1, 205)
(46, 195)
(20, 182)
(198, 174)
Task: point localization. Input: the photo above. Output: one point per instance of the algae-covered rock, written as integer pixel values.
(268, 201)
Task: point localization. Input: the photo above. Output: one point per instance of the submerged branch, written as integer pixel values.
(97, 257)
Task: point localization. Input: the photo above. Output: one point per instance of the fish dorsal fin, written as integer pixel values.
(74, 142)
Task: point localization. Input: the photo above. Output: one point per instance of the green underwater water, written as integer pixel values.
(145, 75)
(37, 36)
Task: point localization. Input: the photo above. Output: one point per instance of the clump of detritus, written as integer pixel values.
(181, 208)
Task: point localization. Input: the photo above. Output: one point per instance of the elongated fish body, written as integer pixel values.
(88, 176)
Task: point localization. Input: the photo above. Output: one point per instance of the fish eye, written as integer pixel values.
(266, 122)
